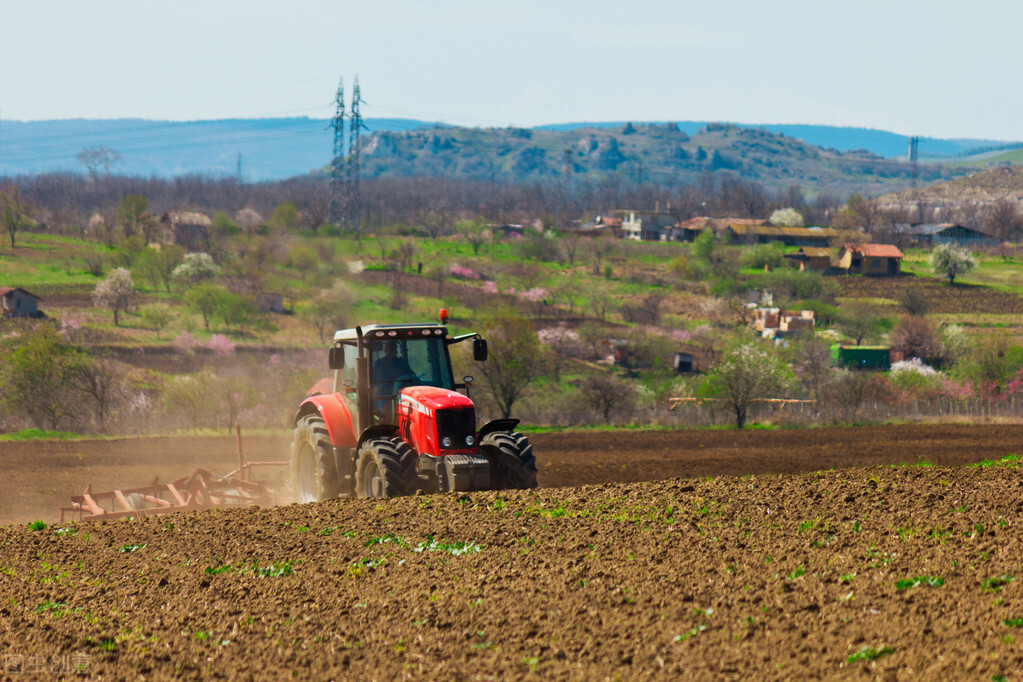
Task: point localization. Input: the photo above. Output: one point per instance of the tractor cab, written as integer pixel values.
(374, 363)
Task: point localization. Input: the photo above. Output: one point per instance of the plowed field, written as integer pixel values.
(940, 297)
(723, 564)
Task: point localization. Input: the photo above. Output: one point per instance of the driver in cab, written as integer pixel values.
(390, 367)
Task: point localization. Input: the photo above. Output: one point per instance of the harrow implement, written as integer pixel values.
(198, 490)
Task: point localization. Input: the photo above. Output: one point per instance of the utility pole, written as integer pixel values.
(338, 184)
(354, 207)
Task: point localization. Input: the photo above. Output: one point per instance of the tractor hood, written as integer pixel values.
(427, 399)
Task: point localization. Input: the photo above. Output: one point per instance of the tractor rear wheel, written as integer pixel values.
(512, 464)
(387, 468)
(313, 469)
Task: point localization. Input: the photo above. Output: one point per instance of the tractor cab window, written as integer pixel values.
(409, 362)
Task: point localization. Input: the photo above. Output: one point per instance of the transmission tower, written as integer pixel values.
(914, 155)
(338, 184)
(353, 160)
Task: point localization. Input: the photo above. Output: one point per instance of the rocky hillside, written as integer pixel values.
(980, 190)
(641, 153)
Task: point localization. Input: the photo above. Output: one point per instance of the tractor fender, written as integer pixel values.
(378, 431)
(335, 416)
(496, 425)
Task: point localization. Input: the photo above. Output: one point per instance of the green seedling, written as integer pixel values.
(869, 653)
(131, 548)
(997, 583)
(1013, 622)
(928, 580)
(389, 538)
(37, 525)
(68, 530)
(456, 548)
(797, 572)
(692, 633)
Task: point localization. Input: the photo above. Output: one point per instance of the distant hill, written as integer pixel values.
(881, 142)
(820, 157)
(658, 152)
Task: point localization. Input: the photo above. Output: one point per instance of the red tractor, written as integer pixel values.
(396, 422)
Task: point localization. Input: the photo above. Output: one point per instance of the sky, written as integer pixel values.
(933, 68)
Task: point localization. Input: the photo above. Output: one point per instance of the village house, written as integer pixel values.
(653, 225)
(190, 229)
(870, 259)
(775, 322)
(812, 258)
(17, 302)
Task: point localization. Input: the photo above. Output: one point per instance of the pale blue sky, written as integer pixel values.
(935, 68)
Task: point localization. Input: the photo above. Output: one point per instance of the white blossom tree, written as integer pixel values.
(195, 268)
(115, 292)
(787, 217)
(951, 260)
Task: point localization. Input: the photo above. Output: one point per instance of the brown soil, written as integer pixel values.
(942, 298)
(750, 574)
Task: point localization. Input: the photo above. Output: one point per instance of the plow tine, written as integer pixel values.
(123, 500)
(177, 496)
(94, 508)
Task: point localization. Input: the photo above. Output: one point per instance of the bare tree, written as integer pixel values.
(517, 359)
(607, 394)
(94, 158)
(1003, 220)
(14, 211)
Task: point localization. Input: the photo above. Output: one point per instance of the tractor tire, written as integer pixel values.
(512, 464)
(313, 469)
(386, 468)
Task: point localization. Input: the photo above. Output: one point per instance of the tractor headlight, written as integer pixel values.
(469, 440)
(446, 441)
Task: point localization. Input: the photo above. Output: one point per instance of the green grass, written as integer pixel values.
(39, 434)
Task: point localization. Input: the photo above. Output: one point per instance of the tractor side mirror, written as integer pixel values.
(479, 350)
(336, 357)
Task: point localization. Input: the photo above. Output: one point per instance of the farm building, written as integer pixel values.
(927, 235)
(812, 258)
(790, 236)
(190, 229)
(870, 259)
(688, 230)
(17, 302)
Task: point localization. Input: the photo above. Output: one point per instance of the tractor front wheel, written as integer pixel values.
(313, 469)
(512, 464)
(387, 468)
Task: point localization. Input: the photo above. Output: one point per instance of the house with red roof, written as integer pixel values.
(870, 259)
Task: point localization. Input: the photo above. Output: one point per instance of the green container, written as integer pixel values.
(862, 357)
